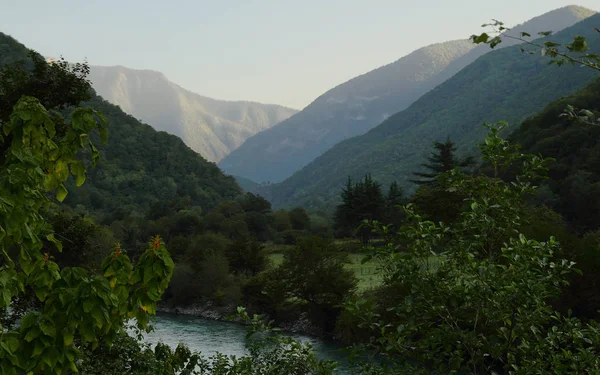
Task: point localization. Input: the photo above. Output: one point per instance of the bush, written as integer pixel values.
(246, 257)
(184, 288)
(314, 275)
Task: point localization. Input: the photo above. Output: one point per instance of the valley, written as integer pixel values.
(434, 215)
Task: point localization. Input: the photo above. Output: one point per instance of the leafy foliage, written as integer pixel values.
(571, 189)
(572, 52)
(442, 160)
(139, 167)
(75, 305)
(482, 307)
(361, 201)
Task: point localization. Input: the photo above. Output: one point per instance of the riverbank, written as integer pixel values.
(208, 337)
(300, 325)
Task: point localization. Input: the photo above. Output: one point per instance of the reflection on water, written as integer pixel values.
(210, 336)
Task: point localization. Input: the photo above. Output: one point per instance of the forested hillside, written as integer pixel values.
(503, 85)
(139, 166)
(573, 189)
(347, 110)
(362, 103)
(212, 128)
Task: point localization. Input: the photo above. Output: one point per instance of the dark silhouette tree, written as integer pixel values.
(441, 160)
(361, 201)
(395, 198)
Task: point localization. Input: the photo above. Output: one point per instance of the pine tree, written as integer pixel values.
(441, 160)
(361, 201)
(395, 197)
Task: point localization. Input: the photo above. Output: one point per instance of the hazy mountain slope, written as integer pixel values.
(555, 20)
(139, 165)
(502, 85)
(210, 127)
(344, 111)
(358, 105)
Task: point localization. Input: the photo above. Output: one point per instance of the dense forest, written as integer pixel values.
(490, 266)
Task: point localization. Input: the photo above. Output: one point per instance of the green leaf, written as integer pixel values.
(37, 349)
(78, 170)
(478, 39)
(50, 237)
(88, 305)
(67, 338)
(61, 193)
(95, 154)
(48, 328)
(28, 321)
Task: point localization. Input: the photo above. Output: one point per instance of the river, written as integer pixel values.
(211, 336)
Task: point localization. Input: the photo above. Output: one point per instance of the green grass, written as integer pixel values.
(365, 273)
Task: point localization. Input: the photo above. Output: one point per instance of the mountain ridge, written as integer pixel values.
(138, 166)
(211, 127)
(504, 84)
(341, 113)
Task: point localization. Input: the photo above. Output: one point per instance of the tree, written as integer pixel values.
(84, 243)
(442, 160)
(361, 201)
(246, 256)
(75, 304)
(56, 86)
(299, 219)
(38, 153)
(482, 305)
(394, 199)
(433, 198)
(282, 221)
(313, 272)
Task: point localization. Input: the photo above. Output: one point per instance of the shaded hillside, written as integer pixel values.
(344, 111)
(139, 165)
(574, 185)
(502, 85)
(213, 128)
(358, 105)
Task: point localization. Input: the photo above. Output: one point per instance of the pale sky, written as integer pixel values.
(271, 51)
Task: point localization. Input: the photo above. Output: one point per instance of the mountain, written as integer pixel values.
(573, 189)
(504, 84)
(361, 103)
(139, 166)
(211, 127)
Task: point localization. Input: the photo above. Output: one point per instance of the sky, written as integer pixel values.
(270, 51)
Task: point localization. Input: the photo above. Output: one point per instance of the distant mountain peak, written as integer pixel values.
(211, 127)
(363, 102)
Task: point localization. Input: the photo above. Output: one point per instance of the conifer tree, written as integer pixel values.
(442, 159)
(395, 197)
(361, 201)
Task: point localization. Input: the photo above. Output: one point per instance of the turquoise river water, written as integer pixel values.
(209, 337)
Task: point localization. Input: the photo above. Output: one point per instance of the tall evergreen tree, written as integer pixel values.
(361, 201)
(442, 159)
(395, 197)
